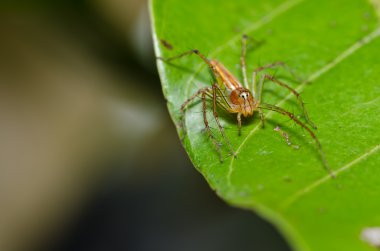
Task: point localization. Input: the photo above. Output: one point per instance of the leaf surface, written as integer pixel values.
(334, 46)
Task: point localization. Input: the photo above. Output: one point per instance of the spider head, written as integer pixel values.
(243, 102)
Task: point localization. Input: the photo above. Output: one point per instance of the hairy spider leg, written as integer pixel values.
(207, 127)
(242, 60)
(187, 53)
(255, 94)
(184, 106)
(294, 118)
(203, 92)
(215, 88)
(279, 64)
(252, 88)
(246, 83)
(294, 92)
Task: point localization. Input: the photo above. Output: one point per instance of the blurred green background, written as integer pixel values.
(89, 159)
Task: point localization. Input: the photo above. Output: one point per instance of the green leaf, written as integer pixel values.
(333, 44)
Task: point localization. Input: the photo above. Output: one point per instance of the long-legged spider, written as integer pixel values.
(232, 96)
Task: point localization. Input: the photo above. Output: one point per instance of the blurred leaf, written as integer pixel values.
(333, 44)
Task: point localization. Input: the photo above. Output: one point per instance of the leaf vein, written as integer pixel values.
(291, 199)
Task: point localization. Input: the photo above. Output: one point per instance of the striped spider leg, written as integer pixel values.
(218, 99)
(243, 100)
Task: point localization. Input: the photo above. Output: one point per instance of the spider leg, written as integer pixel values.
(242, 59)
(257, 93)
(184, 106)
(294, 118)
(262, 117)
(294, 92)
(187, 53)
(239, 122)
(207, 126)
(253, 87)
(215, 113)
(279, 64)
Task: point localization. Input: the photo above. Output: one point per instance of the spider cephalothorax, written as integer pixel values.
(243, 102)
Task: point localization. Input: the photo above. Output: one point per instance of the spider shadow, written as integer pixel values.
(298, 135)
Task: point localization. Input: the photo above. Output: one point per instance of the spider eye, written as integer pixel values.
(244, 95)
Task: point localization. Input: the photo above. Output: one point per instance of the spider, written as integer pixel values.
(229, 94)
